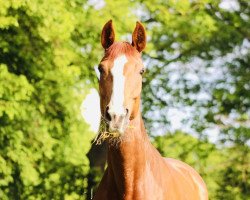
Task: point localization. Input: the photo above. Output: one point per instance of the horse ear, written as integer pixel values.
(108, 35)
(139, 37)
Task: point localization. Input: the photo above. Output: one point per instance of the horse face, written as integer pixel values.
(121, 78)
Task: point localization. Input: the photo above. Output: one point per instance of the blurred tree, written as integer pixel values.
(191, 32)
(47, 53)
(199, 64)
(234, 179)
(43, 80)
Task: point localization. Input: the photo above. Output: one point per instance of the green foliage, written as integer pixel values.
(47, 53)
(209, 38)
(234, 178)
(184, 31)
(43, 137)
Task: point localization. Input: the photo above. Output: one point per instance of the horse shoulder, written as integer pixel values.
(185, 178)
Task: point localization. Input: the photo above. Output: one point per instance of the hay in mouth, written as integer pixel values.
(104, 134)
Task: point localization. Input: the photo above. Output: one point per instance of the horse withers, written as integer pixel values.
(136, 170)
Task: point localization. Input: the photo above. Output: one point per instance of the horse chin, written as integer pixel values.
(118, 132)
(116, 136)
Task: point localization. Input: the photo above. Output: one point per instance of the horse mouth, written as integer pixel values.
(119, 127)
(113, 131)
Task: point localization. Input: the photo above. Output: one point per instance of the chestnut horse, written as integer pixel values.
(136, 170)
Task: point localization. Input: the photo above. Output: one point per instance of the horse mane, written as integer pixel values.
(121, 48)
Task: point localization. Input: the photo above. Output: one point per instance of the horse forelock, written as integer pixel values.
(121, 48)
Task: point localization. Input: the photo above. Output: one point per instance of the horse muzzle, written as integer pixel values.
(118, 121)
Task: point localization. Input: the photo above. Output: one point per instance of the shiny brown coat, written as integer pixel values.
(136, 170)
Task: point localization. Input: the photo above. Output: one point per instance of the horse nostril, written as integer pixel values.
(126, 111)
(107, 115)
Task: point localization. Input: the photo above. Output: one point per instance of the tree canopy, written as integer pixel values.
(198, 66)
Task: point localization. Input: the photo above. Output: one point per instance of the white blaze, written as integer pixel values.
(117, 97)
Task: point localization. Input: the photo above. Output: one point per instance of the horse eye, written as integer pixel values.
(100, 68)
(142, 71)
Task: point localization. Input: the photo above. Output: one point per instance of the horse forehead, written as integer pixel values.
(119, 65)
(123, 64)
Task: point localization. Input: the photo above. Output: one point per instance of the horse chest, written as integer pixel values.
(139, 185)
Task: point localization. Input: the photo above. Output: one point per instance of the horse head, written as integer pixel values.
(120, 82)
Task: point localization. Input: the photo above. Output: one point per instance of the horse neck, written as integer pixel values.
(133, 139)
(127, 159)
